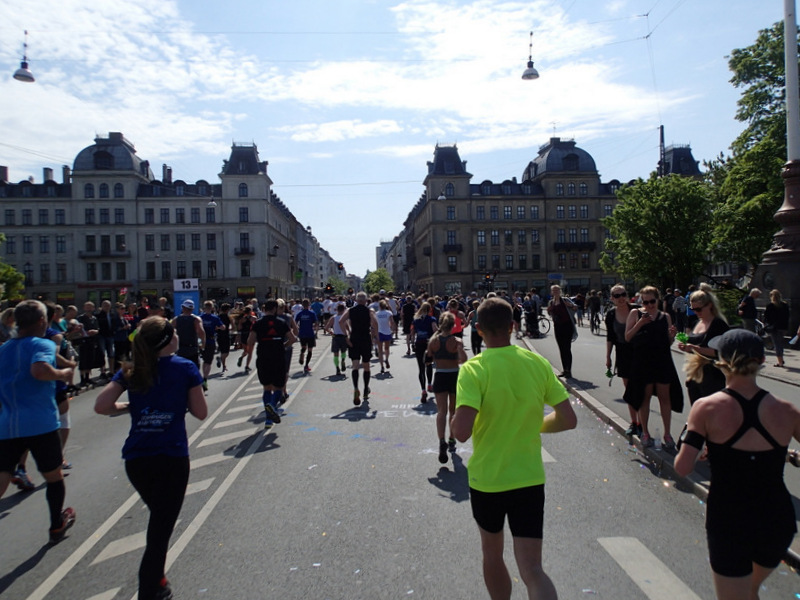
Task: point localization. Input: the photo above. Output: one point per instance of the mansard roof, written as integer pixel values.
(111, 153)
(559, 156)
(679, 160)
(447, 162)
(244, 161)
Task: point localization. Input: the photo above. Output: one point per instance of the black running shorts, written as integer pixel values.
(524, 507)
(360, 350)
(45, 450)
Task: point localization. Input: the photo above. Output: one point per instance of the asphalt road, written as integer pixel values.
(344, 502)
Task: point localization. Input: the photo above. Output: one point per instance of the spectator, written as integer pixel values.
(748, 311)
(776, 323)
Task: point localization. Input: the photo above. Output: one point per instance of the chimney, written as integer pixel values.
(65, 173)
(47, 174)
(3, 173)
(166, 173)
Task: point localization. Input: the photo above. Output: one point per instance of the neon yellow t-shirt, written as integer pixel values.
(509, 387)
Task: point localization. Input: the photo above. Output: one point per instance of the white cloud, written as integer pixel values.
(339, 131)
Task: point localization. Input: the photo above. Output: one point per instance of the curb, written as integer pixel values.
(693, 481)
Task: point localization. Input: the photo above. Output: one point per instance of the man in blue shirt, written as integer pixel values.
(28, 412)
(211, 325)
(306, 322)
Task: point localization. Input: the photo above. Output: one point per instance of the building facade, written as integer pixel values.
(514, 235)
(112, 230)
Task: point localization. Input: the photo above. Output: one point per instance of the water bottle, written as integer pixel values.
(657, 440)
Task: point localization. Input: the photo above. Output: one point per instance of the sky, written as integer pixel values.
(347, 99)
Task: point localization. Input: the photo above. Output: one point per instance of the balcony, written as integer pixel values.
(452, 248)
(104, 253)
(244, 251)
(569, 246)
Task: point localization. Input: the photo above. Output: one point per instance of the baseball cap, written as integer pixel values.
(188, 304)
(738, 341)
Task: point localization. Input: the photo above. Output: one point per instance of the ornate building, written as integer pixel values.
(112, 228)
(463, 236)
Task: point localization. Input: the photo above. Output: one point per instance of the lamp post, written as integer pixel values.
(781, 263)
(530, 72)
(24, 73)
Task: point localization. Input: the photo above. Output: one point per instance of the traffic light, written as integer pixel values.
(328, 288)
(488, 277)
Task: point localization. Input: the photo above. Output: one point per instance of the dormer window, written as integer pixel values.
(507, 188)
(103, 160)
(486, 188)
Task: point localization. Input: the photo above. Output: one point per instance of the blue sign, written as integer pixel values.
(557, 276)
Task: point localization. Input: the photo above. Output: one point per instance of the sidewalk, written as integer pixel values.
(697, 481)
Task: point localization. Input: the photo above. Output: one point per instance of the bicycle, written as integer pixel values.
(543, 322)
(594, 323)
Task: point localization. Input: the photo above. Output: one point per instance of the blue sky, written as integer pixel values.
(347, 99)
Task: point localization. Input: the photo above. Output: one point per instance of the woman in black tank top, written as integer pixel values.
(750, 520)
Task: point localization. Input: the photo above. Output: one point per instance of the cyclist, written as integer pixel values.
(594, 311)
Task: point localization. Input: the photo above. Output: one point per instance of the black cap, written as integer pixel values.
(738, 341)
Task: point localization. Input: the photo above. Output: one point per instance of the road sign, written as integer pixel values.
(556, 276)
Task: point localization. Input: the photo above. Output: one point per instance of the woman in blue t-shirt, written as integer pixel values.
(161, 388)
(422, 328)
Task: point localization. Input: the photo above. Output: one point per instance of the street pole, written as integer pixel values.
(780, 265)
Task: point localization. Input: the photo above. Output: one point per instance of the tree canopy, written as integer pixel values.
(378, 280)
(12, 282)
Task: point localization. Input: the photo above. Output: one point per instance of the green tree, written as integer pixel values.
(748, 188)
(378, 280)
(338, 285)
(12, 282)
(659, 231)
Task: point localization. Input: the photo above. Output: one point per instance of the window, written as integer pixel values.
(202, 190)
(614, 187)
(119, 192)
(91, 272)
(481, 261)
(10, 216)
(88, 191)
(119, 242)
(51, 191)
(102, 190)
(105, 271)
(156, 190)
(561, 236)
(180, 215)
(212, 269)
(244, 214)
(573, 235)
(196, 268)
(211, 215)
(242, 190)
(44, 216)
(506, 212)
(495, 237)
(179, 189)
(196, 241)
(122, 271)
(572, 211)
(573, 261)
(44, 244)
(526, 188)
(559, 211)
(508, 237)
(180, 271)
(180, 242)
(150, 270)
(480, 213)
(536, 262)
(119, 216)
(534, 236)
(61, 272)
(493, 213)
(486, 189)
(164, 242)
(523, 261)
(506, 189)
(562, 261)
(571, 189)
(11, 245)
(481, 237)
(585, 260)
(509, 262)
(149, 242)
(559, 189)
(244, 240)
(27, 191)
(452, 266)
(195, 215)
(584, 189)
(211, 241)
(105, 217)
(607, 210)
(61, 244)
(105, 245)
(244, 268)
(91, 243)
(27, 217)
(149, 216)
(166, 270)
(584, 234)
(584, 211)
(451, 237)
(451, 213)
(520, 212)
(449, 190)
(495, 261)
(165, 215)
(521, 237)
(61, 216)
(27, 244)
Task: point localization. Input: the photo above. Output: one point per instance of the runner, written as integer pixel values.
(363, 331)
(211, 325)
(339, 342)
(386, 328)
(306, 321)
(422, 329)
(408, 310)
(245, 325)
(224, 336)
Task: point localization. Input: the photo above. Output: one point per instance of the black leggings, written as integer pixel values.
(161, 482)
(425, 367)
(564, 341)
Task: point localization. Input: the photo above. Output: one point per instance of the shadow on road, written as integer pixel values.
(21, 569)
(453, 482)
(357, 413)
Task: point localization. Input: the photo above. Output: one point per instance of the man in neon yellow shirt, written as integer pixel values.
(500, 401)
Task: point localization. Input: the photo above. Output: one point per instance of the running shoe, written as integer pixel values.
(306, 369)
(647, 441)
(239, 361)
(424, 398)
(451, 444)
(272, 413)
(366, 392)
(356, 397)
(67, 521)
(302, 357)
(387, 363)
(219, 362)
(66, 465)
(165, 591)
(338, 371)
(430, 387)
(268, 424)
(442, 451)
(633, 429)
(669, 442)
(205, 385)
(22, 481)
(246, 370)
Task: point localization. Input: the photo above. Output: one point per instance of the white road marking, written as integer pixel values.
(107, 595)
(252, 406)
(230, 422)
(199, 486)
(646, 570)
(547, 457)
(258, 396)
(197, 463)
(234, 435)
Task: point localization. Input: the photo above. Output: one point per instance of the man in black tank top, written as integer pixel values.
(363, 334)
(191, 335)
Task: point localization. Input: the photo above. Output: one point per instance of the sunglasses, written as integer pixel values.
(699, 308)
(622, 295)
(646, 302)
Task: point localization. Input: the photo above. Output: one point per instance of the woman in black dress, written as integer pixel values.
(559, 309)
(616, 320)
